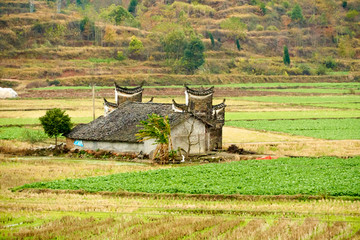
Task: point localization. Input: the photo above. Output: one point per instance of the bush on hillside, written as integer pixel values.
(329, 62)
(87, 29)
(116, 14)
(272, 28)
(236, 26)
(306, 70)
(351, 15)
(135, 48)
(120, 56)
(321, 70)
(259, 27)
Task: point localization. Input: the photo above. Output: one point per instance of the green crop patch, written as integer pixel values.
(11, 133)
(304, 100)
(336, 129)
(234, 116)
(286, 176)
(35, 121)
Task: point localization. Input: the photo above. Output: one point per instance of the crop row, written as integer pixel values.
(336, 129)
(286, 176)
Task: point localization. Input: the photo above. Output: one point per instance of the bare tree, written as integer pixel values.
(190, 139)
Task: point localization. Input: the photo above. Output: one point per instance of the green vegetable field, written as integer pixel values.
(286, 176)
(335, 129)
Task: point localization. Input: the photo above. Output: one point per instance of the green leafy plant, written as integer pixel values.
(284, 176)
(120, 56)
(157, 128)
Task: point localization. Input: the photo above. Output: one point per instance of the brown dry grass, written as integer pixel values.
(282, 144)
(18, 171)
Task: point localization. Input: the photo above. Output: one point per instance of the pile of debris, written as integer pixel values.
(235, 149)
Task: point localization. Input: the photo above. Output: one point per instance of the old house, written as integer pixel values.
(195, 126)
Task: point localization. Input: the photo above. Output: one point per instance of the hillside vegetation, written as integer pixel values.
(72, 42)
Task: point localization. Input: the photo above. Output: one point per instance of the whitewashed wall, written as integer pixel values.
(199, 137)
(179, 136)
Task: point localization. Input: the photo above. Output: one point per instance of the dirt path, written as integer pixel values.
(220, 92)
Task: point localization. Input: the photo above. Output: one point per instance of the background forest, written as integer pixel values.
(77, 42)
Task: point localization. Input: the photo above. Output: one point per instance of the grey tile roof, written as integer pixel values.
(121, 124)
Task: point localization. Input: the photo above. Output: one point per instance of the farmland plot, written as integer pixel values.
(308, 176)
(47, 214)
(336, 129)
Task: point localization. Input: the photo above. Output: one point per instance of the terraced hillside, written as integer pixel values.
(79, 42)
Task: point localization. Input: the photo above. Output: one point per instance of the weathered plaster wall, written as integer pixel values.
(122, 97)
(198, 137)
(202, 105)
(113, 146)
(145, 147)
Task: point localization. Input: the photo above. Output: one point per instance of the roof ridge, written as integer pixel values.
(200, 92)
(129, 90)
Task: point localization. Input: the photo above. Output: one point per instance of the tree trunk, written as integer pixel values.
(55, 141)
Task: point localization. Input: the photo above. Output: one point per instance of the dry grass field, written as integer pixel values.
(70, 215)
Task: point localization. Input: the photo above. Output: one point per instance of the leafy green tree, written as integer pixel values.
(174, 44)
(132, 7)
(119, 14)
(55, 123)
(87, 28)
(296, 13)
(193, 55)
(286, 56)
(158, 128)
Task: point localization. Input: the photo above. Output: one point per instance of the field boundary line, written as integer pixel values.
(208, 197)
(275, 119)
